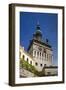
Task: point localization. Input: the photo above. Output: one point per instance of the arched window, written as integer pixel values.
(36, 63)
(31, 62)
(34, 53)
(37, 53)
(41, 65)
(23, 57)
(27, 59)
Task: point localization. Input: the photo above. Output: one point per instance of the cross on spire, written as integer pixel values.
(38, 26)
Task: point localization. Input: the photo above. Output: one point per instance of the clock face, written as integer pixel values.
(44, 50)
(40, 48)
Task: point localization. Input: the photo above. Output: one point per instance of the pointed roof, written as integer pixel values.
(38, 29)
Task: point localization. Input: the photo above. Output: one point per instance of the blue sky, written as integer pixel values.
(48, 24)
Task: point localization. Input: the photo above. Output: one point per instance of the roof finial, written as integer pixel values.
(38, 26)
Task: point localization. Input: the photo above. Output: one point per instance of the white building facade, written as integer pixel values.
(39, 53)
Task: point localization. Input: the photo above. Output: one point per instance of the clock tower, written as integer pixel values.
(40, 50)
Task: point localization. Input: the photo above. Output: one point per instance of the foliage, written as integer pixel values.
(24, 64)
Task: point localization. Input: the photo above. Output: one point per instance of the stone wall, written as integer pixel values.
(26, 73)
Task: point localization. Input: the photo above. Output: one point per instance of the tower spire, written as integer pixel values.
(38, 33)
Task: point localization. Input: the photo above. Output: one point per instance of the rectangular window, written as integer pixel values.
(44, 65)
(49, 73)
(40, 54)
(45, 55)
(37, 53)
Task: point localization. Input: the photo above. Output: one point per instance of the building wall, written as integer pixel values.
(51, 71)
(27, 57)
(26, 73)
(42, 57)
(31, 51)
(38, 63)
